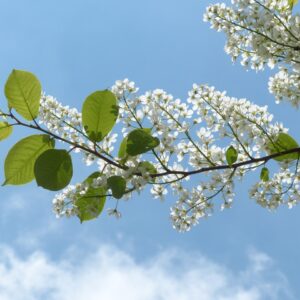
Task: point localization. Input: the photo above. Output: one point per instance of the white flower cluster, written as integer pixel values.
(65, 202)
(107, 146)
(61, 120)
(66, 123)
(72, 192)
(193, 135)
(250, 131)
(122, 86)
(285, 85)
(282, 189)
(263, 33)
(199, 201)
(246, 124)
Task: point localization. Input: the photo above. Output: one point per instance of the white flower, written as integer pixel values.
(114, 212)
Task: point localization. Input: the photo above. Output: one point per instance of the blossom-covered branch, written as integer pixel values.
(263, 33)
(195, 149)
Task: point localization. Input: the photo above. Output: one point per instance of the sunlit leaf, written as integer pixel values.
(140, 141)
(5, 130)
(122, 150)
(292, 3)
(91, 204)
(149, 168)
(264, 174)
(99, 114)
(282, 143)
(23, 92)
(20, 160)
(231, 155)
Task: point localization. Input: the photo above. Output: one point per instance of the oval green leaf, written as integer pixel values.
(5, 130)
(283, 142)
(20, 160)
(53, 169)
(140, 141)
(117, 184)
(23, 92)
(149, 168)
(231, 155)
(122, 150)
(99, 114)
(264, 174)
(90, 205)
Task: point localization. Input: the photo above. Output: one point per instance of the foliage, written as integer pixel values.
(165, 141)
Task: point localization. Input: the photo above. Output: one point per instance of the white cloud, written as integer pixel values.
(12, 204)
(35, 219)
(111, 274)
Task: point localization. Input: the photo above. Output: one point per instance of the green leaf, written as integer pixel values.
(231, 155)
(149, 168)
(20, 160)
(91, 204)
(122, 150)
(99, 114)
(117, 184)
(89, 180)
(264, 174)
(292, 3)
(283, 142)
(5, 130)
(140, 141)
(53, 169)
(23, 92)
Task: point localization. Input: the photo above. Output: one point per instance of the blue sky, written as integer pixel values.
(77, 47)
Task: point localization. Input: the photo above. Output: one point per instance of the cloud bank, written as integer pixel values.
(109, 273)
